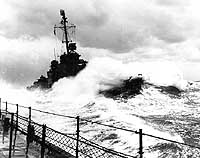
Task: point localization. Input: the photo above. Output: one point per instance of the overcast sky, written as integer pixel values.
(143, 29)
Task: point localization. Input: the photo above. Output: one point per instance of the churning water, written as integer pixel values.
(157, 112)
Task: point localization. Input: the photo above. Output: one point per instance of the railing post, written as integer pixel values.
(28, 129)
(77, 135)
(0, 108)
(29, 116)
(6, 107)
(140, 144)
(16, 125)
(43, 141)
(11, 134)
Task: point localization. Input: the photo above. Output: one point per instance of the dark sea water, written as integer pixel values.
(157, 112)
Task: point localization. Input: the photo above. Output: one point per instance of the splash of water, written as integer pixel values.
(79, 96)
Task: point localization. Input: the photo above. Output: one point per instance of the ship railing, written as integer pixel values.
(72, 144)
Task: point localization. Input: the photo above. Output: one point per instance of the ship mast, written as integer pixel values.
(64, 21)
(70, 46)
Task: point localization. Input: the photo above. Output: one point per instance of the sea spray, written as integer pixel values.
(79, 96)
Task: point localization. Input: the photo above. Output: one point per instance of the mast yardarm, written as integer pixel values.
(65, 26)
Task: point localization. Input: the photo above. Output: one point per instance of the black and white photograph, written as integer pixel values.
(99, 79)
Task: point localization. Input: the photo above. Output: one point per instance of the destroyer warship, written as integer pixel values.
(69, 64)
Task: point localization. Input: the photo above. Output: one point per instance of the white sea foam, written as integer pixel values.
(79, 96)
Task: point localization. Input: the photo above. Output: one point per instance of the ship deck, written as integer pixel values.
(20, 146)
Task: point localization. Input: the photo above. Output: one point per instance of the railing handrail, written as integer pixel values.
(87, 142)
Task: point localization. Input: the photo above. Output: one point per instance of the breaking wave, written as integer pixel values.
(155, 110)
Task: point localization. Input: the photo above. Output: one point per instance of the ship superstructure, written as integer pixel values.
(69, 63)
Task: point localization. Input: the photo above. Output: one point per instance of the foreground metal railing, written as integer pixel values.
(71, 145)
